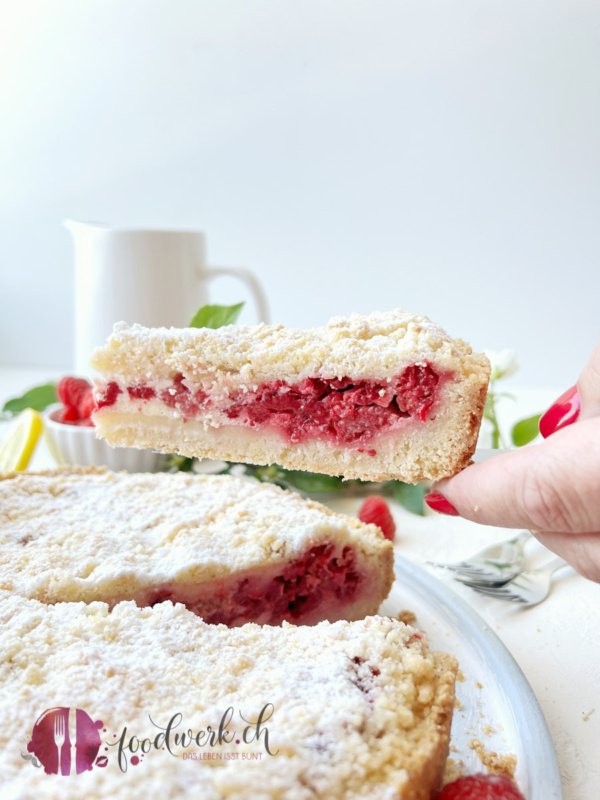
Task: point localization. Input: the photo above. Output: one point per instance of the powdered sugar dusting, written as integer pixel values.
(348, 718)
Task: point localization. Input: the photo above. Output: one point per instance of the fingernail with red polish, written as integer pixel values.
(439, 503)
(564, 412)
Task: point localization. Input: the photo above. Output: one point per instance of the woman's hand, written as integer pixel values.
(552, 489)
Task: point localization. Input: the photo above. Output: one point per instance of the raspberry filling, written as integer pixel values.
(340, 410)
(109, 396)
(323, 581)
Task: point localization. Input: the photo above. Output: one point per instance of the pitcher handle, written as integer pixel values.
(251, 281)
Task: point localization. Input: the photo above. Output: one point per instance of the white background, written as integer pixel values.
(442, 157)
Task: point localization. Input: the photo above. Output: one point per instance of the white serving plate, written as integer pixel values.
(505, 702)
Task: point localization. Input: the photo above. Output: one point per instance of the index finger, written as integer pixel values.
(552, 486)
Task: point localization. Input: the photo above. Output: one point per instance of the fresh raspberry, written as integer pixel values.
(376, 511)
(71, 391)
(481, 787)
(87, 406)
(68, 414)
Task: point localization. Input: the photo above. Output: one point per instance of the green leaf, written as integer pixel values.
(525, 430)
(38, 398)
(409, 495)
(181, 463)
(216, 316)
(307, 482)
(311, 482)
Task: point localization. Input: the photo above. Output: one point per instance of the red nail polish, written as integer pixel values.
(438, 503)
(564, 412)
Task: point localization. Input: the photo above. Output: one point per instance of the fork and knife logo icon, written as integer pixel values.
(66, 741)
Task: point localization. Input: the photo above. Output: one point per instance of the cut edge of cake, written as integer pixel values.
(442, 447)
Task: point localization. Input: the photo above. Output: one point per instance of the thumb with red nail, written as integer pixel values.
(552, 489)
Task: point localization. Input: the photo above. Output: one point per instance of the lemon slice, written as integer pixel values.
(18, 447)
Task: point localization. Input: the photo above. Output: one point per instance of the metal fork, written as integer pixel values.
(59, 736)
(494, 565)
(529, 588)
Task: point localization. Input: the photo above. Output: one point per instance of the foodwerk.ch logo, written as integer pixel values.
(67, 741)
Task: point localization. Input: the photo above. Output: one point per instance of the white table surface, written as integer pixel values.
(556, 644)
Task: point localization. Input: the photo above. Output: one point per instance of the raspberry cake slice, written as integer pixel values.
(386, 396)
(355, 709)
(232, 550)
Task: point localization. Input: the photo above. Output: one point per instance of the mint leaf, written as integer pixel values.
(38, 398)
(525, 430)
(216, 316)
(409, 495)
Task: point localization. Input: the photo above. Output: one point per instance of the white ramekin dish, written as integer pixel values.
(74, 444)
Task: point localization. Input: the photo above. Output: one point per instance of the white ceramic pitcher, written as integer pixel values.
(153, 277)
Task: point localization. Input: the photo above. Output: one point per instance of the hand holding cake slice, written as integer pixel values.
(231, 550)
(386, 396)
